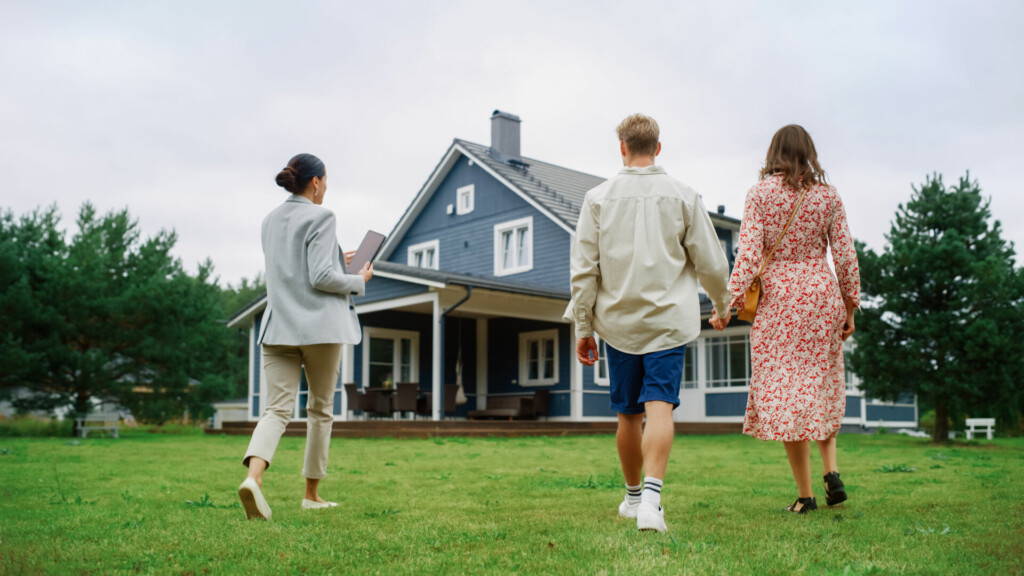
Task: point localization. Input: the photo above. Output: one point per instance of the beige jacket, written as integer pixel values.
(642, 242)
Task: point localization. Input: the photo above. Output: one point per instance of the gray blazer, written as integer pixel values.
(309, 295)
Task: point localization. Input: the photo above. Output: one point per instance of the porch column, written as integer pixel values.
(481, 363)
(437, 398)
(575, 380)
(348, 374)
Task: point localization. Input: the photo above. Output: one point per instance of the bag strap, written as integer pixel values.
(767, 258)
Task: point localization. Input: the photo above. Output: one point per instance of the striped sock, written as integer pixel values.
(652, 490)
(633, 494)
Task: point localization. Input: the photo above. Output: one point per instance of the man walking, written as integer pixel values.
(642, 242)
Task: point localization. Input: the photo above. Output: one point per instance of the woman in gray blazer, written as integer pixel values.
(309, 316)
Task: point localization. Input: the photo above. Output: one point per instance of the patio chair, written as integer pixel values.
(405, 398)
(356, 401)
(378, 404)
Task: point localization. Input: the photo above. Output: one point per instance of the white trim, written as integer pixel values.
(410, 254)
(348, 375)
(420, 201)
(248, 312)
(410, 279)
(397, 336)
(513, 226)
(467, 191)
(575, 382)
(435, 368)
(481, 363)
(394, 303)
(520, 193)
(524, 357)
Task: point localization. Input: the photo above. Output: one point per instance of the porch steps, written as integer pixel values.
(470, 428)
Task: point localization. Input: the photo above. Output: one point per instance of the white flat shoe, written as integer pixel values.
(627, 510)
(650, 517)
(253, 502)
(308, 504)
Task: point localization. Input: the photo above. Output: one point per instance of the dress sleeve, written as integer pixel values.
(751, 250)
(844, 253)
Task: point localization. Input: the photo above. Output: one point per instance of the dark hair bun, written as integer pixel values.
(286, 179)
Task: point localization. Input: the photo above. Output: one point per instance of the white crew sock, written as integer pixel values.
(652, 490)
(633, 494)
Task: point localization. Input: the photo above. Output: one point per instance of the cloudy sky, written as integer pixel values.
(184, 111)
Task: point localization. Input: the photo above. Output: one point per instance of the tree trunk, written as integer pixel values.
(81, 409)
(941, 432)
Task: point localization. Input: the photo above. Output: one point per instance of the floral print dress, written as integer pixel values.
(797, 385)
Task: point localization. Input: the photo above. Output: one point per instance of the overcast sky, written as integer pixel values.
(185, 111)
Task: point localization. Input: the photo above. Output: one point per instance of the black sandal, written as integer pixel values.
(803, 505)
(835, 492)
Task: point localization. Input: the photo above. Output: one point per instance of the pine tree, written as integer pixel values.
(944, 309)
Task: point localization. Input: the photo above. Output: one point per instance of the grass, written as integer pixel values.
(164, 504)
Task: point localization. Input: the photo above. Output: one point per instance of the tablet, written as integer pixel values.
(368, 250)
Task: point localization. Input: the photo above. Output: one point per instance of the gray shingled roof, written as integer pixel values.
(558, 189)
(502, 285)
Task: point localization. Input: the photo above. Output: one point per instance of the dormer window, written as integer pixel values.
(425, 255)
(465, 200)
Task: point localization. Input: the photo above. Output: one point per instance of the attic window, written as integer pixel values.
(465, 200)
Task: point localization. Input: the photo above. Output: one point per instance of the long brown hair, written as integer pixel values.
(792, 155)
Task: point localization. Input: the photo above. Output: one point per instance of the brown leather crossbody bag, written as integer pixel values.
(752, 298)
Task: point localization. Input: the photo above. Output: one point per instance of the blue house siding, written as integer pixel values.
(385, 289)
(852, 407)
(503, 364)
(725, 404)
(466, 242)
(257, 368)
(596, 405)
(890, 413)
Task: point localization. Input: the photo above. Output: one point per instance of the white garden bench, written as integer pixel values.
(987, 425)
(109, 421)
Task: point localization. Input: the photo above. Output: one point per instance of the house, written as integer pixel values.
(471, 286)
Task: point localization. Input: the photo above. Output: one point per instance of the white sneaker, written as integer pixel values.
(308, 504)
(627, 510)
(253, 501)
(650, 517)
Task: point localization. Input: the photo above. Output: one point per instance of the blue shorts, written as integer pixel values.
(639, 378)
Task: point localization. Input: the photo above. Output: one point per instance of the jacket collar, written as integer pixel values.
(654, 169)
(299, 199)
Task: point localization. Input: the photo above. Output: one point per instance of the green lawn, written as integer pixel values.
(151, 503)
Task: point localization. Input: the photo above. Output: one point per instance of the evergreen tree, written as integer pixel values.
(107, 315)
(944, 309)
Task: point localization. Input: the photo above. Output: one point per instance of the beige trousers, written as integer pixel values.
(281, 369)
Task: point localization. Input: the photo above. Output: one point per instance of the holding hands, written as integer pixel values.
(717, 322)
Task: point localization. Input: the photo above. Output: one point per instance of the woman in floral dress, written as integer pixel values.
(797, 388)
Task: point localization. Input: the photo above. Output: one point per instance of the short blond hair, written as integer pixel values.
(640, 133)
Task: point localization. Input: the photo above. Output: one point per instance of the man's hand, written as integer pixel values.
(717, 322)
(586, 351)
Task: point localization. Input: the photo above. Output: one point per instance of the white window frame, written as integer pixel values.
(513, 225)
(423, 247)
(469, 193)
(696, 350)
(396, 359)
(524, 357)
(706, 380)
(602, 358)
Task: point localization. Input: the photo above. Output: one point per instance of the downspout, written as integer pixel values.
(444, 314)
